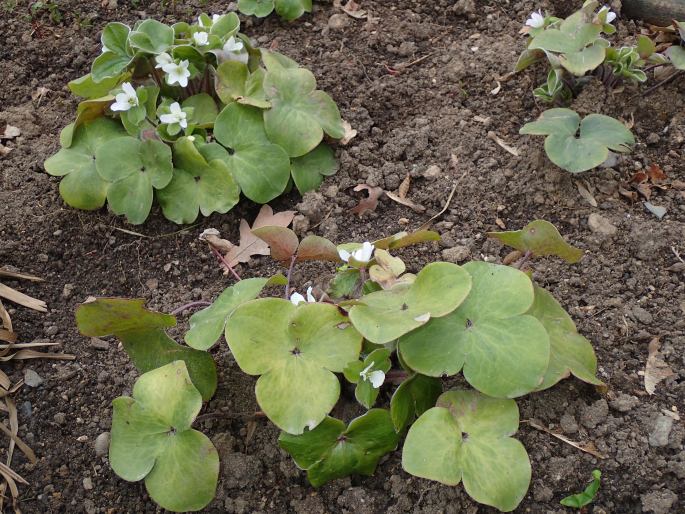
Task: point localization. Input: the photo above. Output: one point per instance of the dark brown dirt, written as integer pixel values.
(622, 294)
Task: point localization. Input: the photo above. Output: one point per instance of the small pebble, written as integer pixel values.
(87, 484)
(98, 344)
(31, 378)
(60, 418)
(102, 444)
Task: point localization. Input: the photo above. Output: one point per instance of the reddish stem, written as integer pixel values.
(223, 261)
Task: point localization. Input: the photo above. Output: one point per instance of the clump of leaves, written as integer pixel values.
(193, 115)
(579, 145)
(575, 51)
(152, 439)
(490, 322)
(580, 500)
(289, 10)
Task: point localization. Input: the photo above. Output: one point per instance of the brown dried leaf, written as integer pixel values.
(644, 189)
(585, 193)
(370, 202)
(406, 202)
(639, 177)
(4, 150)
(404, 186)
(656, 369)
(656, 174)
(512, 257)
(513, 151)
(282, 241)
(351, 8)
(250, 244)
(631, 195)
(500, 223)
(585, 447)
(22, 299)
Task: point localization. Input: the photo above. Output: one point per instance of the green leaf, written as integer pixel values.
(109, 64)
(143, 335)
(209, 187)
(528, 58)
(207, 325)
(152, 37)
(587, 59)
(115, 38)
(542, 239)
(296, 350)
(570, 352)
(204, 110)
(259, 8)
(412, 398)
(226, 26)
(676, 55)
(504, 352)
(82, 187)
(383, 316)
(467, 438)
(300, 114)
(359, 372)
(261, 168)
(134, 168)
(152, 439)
(580, 500)
(309, 170)
(598, 135)
(645, 46)
(344, 283)
(86, 87)
(292, 9)
(332, 451)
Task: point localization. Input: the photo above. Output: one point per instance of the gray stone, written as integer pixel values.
(338, 21)
(102, 444)
(600, 225)
(568, 424)
(456, 254)
(624, 402)
(659, 502)
(60, 418)
(98, 344)
(87, 484)
(52, 330)
(68, 291)
(661, 430)
(642, 315)
(432, 172)
(31, 378)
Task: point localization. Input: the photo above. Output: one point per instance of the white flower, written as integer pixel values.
(233, 50)
(375, 377)
(177, 73)
(363, 255)
(536, 20)
(201, 38)
(216, 17)
(163, 59)
(297, 298)
(125, 100)
(175, 116)
(611, 16)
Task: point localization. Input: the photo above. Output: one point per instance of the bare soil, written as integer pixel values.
(411, 118)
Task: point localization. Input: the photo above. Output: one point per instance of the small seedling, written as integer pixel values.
(580, 500)
(576, 145)
(192, 115)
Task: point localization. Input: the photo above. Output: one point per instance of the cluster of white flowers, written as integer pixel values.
(176, 115)
(176, 72)
(363, 255)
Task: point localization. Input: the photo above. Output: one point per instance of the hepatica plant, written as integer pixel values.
(192, 115)
(376, 327)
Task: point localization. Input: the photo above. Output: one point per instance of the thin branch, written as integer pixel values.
(663, 82)
(199, 303)
(223, 261)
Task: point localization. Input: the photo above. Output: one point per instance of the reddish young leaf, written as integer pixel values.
(370, 202)
(316, 248)
(282, 241)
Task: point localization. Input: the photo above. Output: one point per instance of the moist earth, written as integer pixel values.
(419, 82)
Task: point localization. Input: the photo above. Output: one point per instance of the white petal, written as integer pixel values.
(344, 255)
(376, 378)
(129, 90)
(310, 296)
(423, 317)
(120, 106)
(611, 16)
(183, 123)
(104, 49)
(168, 118)
(364, 255)
(216, 17)
(183, 81)
(163, 59)
(297, 298)
(175, 108)
(200, 38)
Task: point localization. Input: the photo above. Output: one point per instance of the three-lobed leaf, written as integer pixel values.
(152, 439)
(467, 438)
(503, 351)
(296, 350)
(332, 450)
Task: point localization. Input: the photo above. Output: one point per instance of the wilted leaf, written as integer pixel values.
(250, 244)
(370, 202)
(317, 248)
(656, 369)
(404, 187)
(406, 202)
(350, 133)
